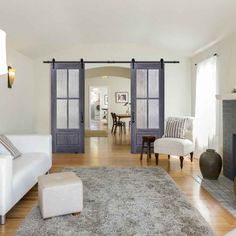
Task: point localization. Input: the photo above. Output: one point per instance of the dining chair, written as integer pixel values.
(117, 123)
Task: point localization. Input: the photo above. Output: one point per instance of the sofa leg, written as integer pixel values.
(157, 157)
(2, 220)
(191, 156)
(181, 161)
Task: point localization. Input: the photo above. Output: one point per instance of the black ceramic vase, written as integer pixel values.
(210, 164)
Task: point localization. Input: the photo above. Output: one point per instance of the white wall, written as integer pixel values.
(226, 73)
(114, 84)
(17, 104)
(177, 76)
(26, 107)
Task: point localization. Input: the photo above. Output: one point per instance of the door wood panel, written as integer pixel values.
(67, 107)
(147, 102)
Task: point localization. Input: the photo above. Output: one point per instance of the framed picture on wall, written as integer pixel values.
(105, 99)
(122, 97)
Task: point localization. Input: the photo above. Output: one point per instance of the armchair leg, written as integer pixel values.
(181, 161)
(2, 220)
(157, 157)
(191, 156)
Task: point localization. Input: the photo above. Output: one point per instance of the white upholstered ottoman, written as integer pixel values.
(60, 194)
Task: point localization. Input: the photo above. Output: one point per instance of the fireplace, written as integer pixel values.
(229, 138)
(234, 155)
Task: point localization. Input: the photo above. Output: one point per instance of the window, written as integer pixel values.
(205, 107)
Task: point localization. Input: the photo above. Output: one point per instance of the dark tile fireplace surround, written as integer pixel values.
(229, 138)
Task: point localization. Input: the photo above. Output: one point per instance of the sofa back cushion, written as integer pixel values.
(8, 145)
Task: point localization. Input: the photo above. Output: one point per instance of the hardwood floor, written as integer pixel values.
(115, 151)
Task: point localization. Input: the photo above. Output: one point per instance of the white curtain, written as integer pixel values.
(205, 107)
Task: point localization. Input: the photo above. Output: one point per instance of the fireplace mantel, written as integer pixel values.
(227, 96)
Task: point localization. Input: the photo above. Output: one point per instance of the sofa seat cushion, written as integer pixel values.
(26, 170)
(173, 146)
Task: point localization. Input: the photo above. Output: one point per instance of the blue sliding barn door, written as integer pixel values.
(147, 102)
(67, 107)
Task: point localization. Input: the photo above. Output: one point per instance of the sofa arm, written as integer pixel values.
(5, 183)
(33, 143)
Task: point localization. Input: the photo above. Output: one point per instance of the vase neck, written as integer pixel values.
(210, 150)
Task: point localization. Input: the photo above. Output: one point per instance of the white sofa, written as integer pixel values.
(18, 176)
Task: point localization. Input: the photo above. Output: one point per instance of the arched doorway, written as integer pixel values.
(101, 86)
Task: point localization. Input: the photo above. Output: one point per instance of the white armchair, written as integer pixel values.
(177, 146)
(18, 176)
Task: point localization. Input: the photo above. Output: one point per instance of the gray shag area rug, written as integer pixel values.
(124, 201)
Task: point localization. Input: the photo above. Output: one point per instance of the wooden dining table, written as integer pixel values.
(122, 116)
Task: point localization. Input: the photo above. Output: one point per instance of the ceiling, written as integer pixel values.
(38, 28)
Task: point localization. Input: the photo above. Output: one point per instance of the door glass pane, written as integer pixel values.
(74, 83)
(61, 114)
(153, 83)
(141, 113)
(74, 114)
(61, 83)
(153, 114)
(141, 83)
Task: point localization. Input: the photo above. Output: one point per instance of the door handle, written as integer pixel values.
(133, 118)
(82, 117)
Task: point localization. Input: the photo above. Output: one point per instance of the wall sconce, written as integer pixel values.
(11, 76)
